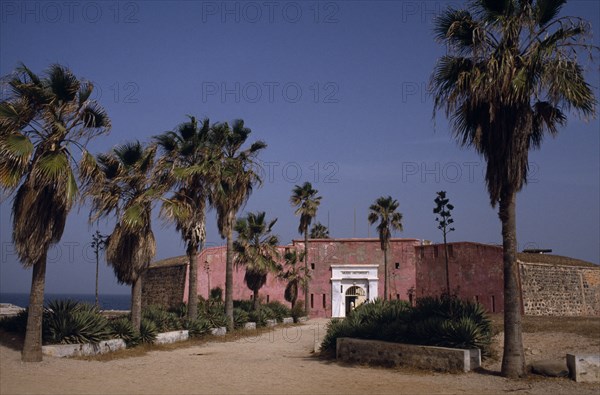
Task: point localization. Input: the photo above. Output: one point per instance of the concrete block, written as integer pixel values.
(221, 331)
(250, 325)
(86, 349)
(302, 319)
(396, 354)
(475, 358)
(584, 367)
(171, 337)
(288, 320)
(271, 323)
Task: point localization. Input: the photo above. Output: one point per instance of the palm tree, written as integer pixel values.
(234, 182)
(256, 250)
(98, 244)
(187, 162)
(42, 120)
(293, 275)
(384, 211)
(319, 231)
(510, 72)
(123, 182)
(307, 202)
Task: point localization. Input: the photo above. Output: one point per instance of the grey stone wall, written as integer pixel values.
(558, 290)
(164, 285)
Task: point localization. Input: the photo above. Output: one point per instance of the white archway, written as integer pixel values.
(355, 279)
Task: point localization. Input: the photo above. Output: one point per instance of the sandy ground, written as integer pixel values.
(278, 362)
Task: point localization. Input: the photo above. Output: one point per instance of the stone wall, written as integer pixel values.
(164, 285)
(560, 290)
(475, 273)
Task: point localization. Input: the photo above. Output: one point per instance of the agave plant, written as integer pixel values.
(69, 322)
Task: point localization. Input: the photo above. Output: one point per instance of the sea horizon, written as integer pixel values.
(106, 301)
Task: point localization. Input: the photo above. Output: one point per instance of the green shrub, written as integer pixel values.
(122, 328)
(70, 322)
(148, 331)
(197, 327)
(446, 321)
(180, 310)
(240, 317)
(213, 311)
(279, 311)
(165, 321)
(245, 305)
(298, 310)
(216, 293)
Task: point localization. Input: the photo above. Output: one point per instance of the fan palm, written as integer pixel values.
(384, 211)
(319, 231)
(234, 181)
(123, 182)
(510, 72)
(42, 120)
(186, 160)
(305, 198)
(256, 250)
(294, 277)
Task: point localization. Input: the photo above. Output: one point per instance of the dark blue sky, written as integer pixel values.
(336, 89)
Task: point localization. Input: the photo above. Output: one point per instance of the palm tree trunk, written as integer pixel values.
(32, 348)
(255, 300)
(385, 274)
(229, 277)
(306, 285)
(193, 284)
(513, 359)
(97, 267)
(447, 268)
(136, 303)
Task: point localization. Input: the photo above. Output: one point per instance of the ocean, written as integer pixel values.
(107, 302)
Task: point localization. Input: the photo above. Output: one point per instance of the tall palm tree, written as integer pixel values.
(234, 182)
(305, 198)
(510, 72)
(256, 250)
(186, 161)
(123, 183)
(42, 120)
(293, 275)
(384, 211)
(319, 231)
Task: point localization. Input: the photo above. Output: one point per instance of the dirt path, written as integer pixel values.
(278, 362)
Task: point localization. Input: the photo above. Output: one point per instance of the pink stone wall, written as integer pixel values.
(475, 272)
(322, 253)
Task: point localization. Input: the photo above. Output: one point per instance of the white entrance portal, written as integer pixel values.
(351, 285)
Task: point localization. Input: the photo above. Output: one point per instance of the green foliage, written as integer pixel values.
(298, 310)
(213, 311)
(70, 322)
(278, 310)
(245, 304)
(180, 310)
(216, 293)
(122, 328)
(197, 327)
(148, 331)
(165, 321)
(446, 321)
(240, 317)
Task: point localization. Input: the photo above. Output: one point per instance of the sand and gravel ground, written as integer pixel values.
(277, 362)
